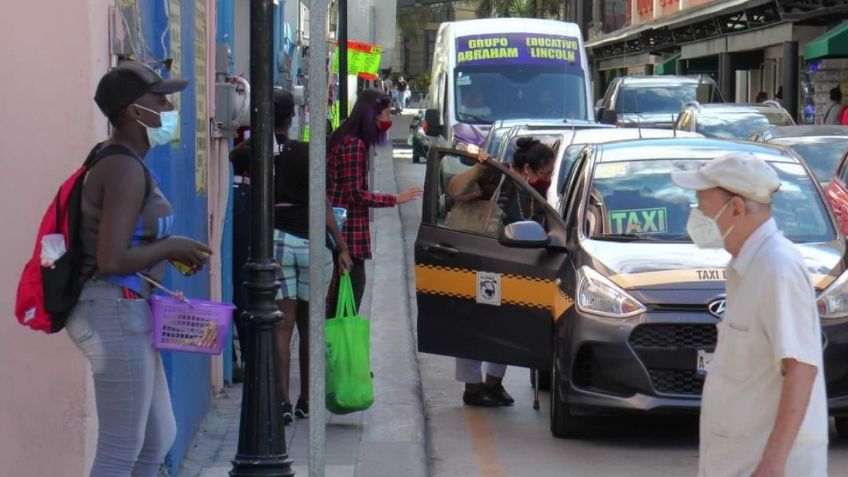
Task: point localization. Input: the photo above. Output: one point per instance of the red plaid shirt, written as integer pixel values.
(347, 186)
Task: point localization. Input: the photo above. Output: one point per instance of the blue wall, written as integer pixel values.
(174, 167)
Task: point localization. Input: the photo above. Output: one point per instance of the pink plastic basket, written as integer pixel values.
(198, 326)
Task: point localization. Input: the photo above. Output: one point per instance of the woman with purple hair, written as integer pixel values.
(347, 176)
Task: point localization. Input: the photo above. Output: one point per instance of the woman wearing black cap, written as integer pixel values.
(126, 229)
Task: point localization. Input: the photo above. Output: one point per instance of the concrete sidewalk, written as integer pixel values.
(386, 440)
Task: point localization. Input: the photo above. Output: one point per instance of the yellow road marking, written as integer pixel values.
(484, 443)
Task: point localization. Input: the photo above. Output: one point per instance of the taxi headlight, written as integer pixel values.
(596, 294)
(833, 302)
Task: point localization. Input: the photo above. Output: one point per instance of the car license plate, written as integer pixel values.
(705, 359)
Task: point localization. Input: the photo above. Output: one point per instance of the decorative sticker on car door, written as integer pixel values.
(489, 288)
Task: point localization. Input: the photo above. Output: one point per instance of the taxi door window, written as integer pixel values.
(481, 203)
(572, 194)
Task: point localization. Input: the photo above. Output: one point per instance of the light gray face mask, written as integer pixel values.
(164, 134)
(704, 230)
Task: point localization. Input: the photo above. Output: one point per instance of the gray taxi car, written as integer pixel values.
(603, 286)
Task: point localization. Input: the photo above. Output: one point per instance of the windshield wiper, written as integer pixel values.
(633, 238)
(476, 118)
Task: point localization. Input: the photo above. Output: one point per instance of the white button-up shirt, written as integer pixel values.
(771, 315)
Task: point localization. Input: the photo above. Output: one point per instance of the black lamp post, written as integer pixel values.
(262, 442)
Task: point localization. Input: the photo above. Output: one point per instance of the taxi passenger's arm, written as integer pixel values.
(798, 380)
(465, 186)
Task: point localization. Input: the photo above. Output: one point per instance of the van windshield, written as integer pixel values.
(488, 93)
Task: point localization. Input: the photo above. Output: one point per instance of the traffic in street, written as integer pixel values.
(637, 267)
(517, 440)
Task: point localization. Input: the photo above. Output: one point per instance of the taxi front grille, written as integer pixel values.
(676, 381)
(659, 347)
(674, 336)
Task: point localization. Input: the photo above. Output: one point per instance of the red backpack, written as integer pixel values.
(46, 295)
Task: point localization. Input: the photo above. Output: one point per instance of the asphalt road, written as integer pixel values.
(516, 441)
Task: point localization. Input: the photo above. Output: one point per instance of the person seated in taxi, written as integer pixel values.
(534, 162)
(596, 214)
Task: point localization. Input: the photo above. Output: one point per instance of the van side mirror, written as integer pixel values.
(524, 234)
(434, 122)
(609, 116)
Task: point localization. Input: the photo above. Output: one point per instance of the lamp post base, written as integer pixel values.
(276, 466)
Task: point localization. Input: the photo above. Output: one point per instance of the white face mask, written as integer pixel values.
(704, 230)
(164, 134)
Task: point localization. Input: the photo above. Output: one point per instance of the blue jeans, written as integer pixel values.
(136, 425)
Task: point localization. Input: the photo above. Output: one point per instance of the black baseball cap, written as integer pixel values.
(127, 82)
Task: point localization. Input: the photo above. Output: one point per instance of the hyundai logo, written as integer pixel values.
(717, 308)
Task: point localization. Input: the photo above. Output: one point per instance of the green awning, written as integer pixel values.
(668, 67)
(833, 44)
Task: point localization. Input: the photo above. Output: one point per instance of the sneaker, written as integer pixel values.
(501, 395)
(288, 417)
(481, 398)
(301, 409)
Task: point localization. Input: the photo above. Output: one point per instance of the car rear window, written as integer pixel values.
(739, 125)
(655, 99)
(822, 154)
(638, 198)
(509, 151)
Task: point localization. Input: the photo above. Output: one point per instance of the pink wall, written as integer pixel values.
(52, 55)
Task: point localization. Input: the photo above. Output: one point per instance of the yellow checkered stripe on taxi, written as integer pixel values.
(517, 290)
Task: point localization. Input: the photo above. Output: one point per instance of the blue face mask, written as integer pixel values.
(164, 134)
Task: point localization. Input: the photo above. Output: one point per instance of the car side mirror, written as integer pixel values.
(609, 116)
(434, 122)
(524, 234)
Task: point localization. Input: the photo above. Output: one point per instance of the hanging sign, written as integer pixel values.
(363, 59)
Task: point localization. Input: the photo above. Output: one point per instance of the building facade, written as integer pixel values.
(418, 24)
(748, 46)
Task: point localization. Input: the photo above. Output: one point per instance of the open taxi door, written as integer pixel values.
(487, 285)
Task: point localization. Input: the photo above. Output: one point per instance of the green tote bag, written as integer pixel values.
(348, 379)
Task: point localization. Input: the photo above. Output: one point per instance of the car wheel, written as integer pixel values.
(544, 380)
(564, 423)
(841, 426)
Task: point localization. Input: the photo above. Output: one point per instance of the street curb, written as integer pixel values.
(393, 436)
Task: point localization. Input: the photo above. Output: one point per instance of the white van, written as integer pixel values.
(505, 68)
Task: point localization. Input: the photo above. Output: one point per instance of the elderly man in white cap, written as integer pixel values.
(764, 409)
